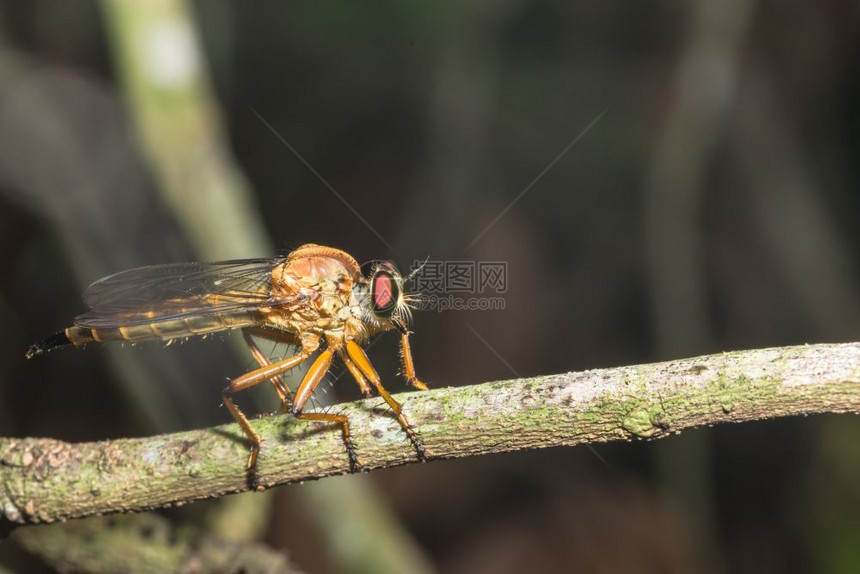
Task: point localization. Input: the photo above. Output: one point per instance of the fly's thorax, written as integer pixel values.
(315, 267)
(330, 305)
(319, 281)
(312, 259)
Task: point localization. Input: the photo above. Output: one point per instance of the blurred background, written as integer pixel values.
(663, 180)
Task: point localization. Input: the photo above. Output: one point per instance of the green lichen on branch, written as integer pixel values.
(45, 480)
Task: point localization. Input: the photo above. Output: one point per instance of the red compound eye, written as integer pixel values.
(369, 267)
(384, 292)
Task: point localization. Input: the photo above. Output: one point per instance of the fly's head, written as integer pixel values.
(384, 302)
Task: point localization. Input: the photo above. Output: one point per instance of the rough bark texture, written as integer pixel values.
(45, 480)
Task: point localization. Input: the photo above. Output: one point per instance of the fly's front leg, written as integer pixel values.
(278, 382)
(305, 391)
(247, 381)
(406, 358)
(356, 355)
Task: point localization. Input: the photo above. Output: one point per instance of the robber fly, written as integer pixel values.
(314, 298)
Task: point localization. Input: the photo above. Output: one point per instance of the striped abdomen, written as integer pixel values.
(165, 330)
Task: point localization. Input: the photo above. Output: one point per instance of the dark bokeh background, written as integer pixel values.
(712, 206)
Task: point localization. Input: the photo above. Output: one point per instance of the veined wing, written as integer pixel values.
(173, 291)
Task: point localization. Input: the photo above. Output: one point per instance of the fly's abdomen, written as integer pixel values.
(164, 330)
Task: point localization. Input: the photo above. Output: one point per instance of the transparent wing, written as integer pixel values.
(165, 292)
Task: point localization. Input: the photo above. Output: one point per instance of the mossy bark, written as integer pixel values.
(45, 480)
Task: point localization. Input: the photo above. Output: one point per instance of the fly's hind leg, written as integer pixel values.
(304, 392)
(247, 381)
(278, 382)
(358, 357)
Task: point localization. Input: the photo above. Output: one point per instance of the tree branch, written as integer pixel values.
(45, 480)
(145, 543)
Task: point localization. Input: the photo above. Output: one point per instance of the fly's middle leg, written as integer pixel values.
(356, 373)
(304, 392)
